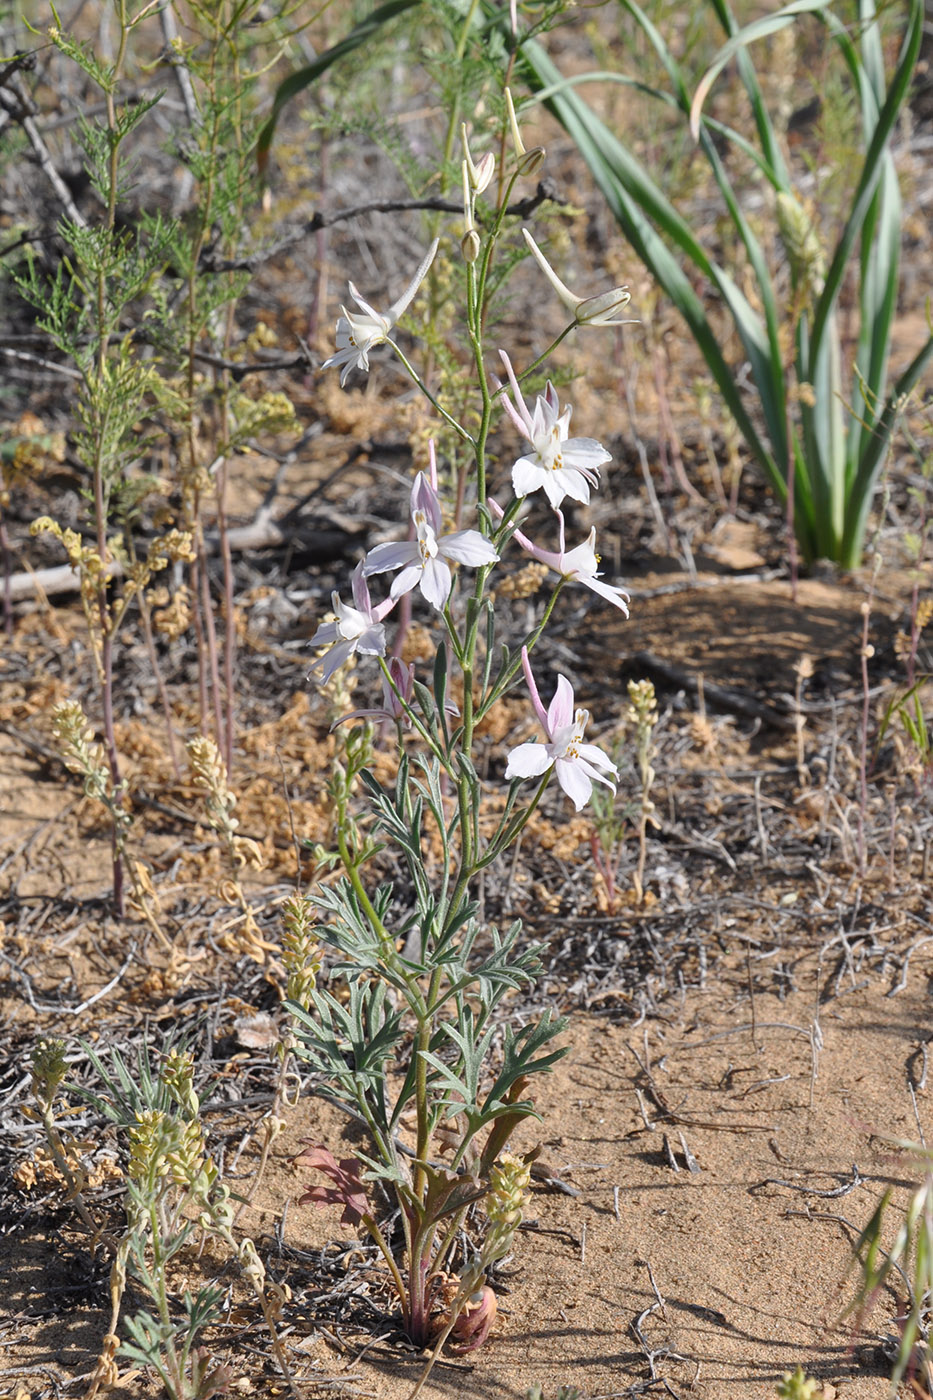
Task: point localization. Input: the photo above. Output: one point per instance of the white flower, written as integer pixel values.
(562, 465)
(423, 560)
(578, 765)
(358, 334)
(586, 311)
(578, 565)
(356, 629)
(479, 173)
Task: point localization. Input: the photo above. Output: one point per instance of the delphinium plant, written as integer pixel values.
(415, 1044)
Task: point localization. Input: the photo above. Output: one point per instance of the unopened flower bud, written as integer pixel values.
(470, 245)
(517, 141)
(481, 171)
(533, 161)
(601, 310)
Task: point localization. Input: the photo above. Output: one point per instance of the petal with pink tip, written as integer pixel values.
(560, 710)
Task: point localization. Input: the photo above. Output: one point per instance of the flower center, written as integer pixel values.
(548, 450)
(427, 544)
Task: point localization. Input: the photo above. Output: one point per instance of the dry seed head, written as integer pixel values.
(177, 1075)
(924, 613)
(523, 584)
(272, 412)
(190, 1166)
(48, 1069)
(210, 777)
(261, 337)
(301, 951)
(151, 1138)
(796, 1386)
(80, 753)
(643, 702)
(173, 617)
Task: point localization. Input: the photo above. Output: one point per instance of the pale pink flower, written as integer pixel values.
(562, 465)
(576, 764)
(577, 565)
(358, 334)
(423, 560)
(357, 629)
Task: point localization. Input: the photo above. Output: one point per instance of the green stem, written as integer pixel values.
(366, 904)
(416, 377)
(416, 721)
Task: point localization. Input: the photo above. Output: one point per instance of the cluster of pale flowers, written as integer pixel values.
(559, 465)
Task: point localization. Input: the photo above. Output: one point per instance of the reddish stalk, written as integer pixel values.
(210, 637)
(226, 743)
(7, 571)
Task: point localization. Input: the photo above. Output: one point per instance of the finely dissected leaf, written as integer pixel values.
(304, 77)
(472, 1054)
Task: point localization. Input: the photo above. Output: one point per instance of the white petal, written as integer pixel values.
(574, 483)
(467, 547)
(594, 756)
(560, 710)
(554, 489)
(391, 556)
(528, 475)
(575, 781)
(325, 634)
(424, 498)
(435, 583)
(528, 761)
(372, 642)
(585, 453)
(369, 312)
(329, 663)
(594, 772)
(407, 580)
(616, 596)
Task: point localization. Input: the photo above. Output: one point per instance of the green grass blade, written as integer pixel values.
(303, 77)
(762, 348)
(871, 461)
(735, 48)
(872, 171)
(641, 209)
